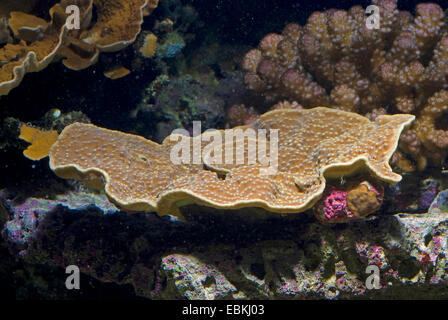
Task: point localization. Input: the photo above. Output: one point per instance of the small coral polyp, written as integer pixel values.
(351, 201)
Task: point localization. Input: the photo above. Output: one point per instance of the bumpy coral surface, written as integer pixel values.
(335, 60)
(139, 174)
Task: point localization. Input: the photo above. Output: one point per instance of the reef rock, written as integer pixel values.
(229, 257)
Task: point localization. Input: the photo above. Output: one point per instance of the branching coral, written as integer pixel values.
(138, 174)
(428, 138)
(335, 60)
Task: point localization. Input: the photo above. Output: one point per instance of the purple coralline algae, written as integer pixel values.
(288, 258)
(26, 216)
(440, 203)
(430, 189)
(371, 254)
(198, 279)
(298, 258)
(336, 206)
(342, 203)
(412, 195)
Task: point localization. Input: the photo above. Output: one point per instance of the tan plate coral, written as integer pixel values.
(36, 42)
(17, 59)
(138, 174)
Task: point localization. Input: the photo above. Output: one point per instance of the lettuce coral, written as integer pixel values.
(37, 42)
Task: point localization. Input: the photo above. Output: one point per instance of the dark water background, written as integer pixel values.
(235, 22)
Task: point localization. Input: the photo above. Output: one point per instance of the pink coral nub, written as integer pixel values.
(335, 207)
(351, 201)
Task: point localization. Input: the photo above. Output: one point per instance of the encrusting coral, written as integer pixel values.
(138, 174)
(353, 200)
(335, 60)
(36, 42)
(118, 24)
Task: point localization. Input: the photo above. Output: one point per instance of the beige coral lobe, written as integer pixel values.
(313, 144)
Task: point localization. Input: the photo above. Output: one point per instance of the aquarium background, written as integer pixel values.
(196, 73)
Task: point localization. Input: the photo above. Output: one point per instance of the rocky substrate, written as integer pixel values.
(242, 255)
